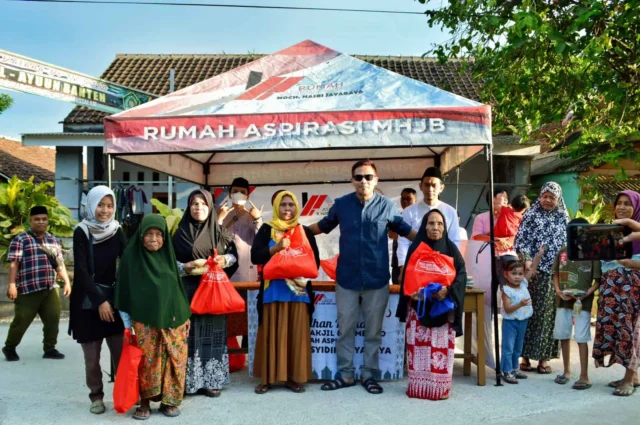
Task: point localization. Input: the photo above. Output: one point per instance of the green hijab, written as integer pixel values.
(149, 286)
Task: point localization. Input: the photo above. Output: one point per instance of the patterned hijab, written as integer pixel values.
(541, 227)
(635, 201)
(99, 230)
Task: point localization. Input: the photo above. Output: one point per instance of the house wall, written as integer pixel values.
(68, 184)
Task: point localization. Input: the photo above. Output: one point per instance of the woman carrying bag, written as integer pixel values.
(285, 306)
(98, 242)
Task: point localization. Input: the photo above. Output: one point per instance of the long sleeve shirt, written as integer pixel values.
(414, 215)
(244, 229)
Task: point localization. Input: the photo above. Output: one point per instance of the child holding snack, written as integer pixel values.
(574, 282)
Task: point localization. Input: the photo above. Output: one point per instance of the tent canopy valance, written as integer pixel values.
(316, 104)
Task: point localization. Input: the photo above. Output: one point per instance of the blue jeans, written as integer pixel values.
(512, 342)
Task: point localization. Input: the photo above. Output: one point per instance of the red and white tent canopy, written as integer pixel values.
(313, 102)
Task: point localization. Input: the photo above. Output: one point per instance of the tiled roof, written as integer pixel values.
(150, 73)
(609, 187)
(553, 162)
(27, 161)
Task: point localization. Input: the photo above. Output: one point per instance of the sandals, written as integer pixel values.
(142, 414)
(581, 385)
(295, 387)
(526, 367)
(616, 384)
(519, 375)
(372, 386)
(624, 391)
(561, 379)
(337, 384)
(211, 393)
(169, 411)
(544, 370)
(262, 389)
(509, 378)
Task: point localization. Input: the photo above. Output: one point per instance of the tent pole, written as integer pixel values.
(494, 274)
(109, 170)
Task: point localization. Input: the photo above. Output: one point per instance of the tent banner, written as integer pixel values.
(26, 75)
(324, 333)
(304, 97)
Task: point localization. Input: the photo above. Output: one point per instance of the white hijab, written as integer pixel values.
(100, 231)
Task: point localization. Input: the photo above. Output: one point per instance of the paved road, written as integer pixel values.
(37, 391)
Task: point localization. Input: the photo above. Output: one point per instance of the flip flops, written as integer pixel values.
(616, 384)
(561, 379)
(624, 391)
(581, 385)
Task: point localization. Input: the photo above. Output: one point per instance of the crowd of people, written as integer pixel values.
(146, 285)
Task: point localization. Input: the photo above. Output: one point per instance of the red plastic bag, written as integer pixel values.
(329, 266)
(216, 294)
(126, 389)
(294, 262)
(236, 361)
(427, 266)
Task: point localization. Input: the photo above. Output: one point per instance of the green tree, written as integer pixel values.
(563, 70)
(5, 102)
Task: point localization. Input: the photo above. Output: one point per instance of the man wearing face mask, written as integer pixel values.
(243, 220)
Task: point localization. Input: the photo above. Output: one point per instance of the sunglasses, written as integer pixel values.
(367, 177)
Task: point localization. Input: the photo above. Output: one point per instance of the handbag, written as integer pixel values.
(296, 261)
(216, 294)
(106, 291)
(126, 389)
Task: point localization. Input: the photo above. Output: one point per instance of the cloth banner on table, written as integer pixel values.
(324, 333)
(479, 267)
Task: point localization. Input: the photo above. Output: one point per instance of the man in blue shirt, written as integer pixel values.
(363, 270)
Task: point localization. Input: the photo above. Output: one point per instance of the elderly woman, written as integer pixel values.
(196, 238)
(152, 302)
(544, 224)
(98, 242)
(618, 321)
(283, 345)
(431, 340)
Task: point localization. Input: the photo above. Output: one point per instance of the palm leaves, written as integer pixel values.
(17, 197)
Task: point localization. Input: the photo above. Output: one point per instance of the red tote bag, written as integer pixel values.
(329, 266)
(216, 294)
(126, 389)
(427, 266)
(294, 262)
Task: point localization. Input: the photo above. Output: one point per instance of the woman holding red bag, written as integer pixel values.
(153, 305)
(198, 235)
(283, 344)
(431, 340)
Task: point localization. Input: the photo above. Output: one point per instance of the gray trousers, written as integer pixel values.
(93, 370)
(373, 307)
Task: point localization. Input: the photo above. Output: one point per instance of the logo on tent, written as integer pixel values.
(269, 87)
(317, 205)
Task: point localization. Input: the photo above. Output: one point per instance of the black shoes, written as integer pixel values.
(53, 354)
(10, 354)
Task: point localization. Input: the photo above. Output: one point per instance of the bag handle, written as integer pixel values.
(92, 270)
(422, 302)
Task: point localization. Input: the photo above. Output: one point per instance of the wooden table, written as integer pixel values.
(473, 303)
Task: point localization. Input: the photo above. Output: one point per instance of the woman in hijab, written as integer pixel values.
(544, 224)
(198, 235)
(153, 304)
(283, 344)
(618, 320)
(430, 376)
(98, 242)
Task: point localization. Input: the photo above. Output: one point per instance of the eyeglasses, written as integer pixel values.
(367, 177)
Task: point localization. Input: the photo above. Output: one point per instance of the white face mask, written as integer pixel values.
(238, 198)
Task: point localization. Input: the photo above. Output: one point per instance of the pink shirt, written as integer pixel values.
(481, 224)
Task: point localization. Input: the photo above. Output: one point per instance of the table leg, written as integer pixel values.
(481, 341)
(468, 333)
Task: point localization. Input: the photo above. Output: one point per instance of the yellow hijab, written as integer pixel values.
(278, 225)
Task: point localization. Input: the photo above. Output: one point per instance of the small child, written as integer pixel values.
(516, 311)
(582, 276)
(507, 227)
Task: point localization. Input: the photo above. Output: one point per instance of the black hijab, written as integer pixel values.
(456, 290)
(194, 240)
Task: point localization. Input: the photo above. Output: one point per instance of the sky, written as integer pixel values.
(86, 38)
